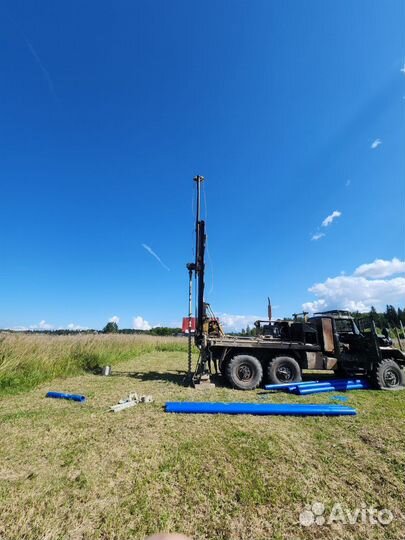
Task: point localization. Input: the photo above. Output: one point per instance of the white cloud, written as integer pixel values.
(115, 319)
(139, 323)
(316, 305)
(317, 236)
(19, 328)
(43, 325)
(235, 323)
(381, 268)
(73, 326)
(375, 144)
(358, 292)
(150, 250)
(328, 220)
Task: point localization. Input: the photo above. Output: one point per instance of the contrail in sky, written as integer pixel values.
(34, 54)
(150, 250)
(45, 72)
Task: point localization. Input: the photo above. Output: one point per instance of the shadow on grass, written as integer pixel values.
(178, 377)
(173, 376)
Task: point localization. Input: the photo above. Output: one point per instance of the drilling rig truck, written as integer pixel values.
(281, 350)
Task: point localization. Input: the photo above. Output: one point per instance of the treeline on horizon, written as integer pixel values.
(390, 317)
(158, 331)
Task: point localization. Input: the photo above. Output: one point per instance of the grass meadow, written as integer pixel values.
(27, 360)
(74, 471)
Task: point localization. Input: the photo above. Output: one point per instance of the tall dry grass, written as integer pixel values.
(28, 360)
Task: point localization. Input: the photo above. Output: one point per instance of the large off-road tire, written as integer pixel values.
(284, 369)
(244, 372)
(388, 375)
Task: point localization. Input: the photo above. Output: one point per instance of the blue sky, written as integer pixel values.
(293, 111)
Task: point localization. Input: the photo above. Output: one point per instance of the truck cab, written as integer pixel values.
(359, 348)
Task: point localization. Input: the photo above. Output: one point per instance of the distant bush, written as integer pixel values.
(110, 328)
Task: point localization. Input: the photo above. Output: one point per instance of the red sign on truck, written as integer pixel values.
(188, 325)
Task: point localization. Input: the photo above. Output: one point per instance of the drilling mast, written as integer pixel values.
(198, 269)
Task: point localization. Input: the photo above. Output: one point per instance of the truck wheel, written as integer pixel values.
(284, 369)
(244, 372)
(388, 375)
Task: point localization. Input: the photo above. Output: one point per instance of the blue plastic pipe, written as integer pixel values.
(61, 395)
(333, 382)
(287, 386)
(336, 388)
(298, 389)
(308, 391)
(283, 386)
(195, 407)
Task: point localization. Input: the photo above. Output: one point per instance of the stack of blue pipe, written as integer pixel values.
(293, 409)
(319, 387)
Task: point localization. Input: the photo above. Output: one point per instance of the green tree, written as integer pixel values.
(392, 316)
(110, 328)
(376, 317)
(374, 314)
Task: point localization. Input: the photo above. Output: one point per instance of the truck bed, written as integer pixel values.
(259, 342)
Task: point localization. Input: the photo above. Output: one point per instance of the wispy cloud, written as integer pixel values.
(317, 236)
(150, 250)
(328, 220)
(375, 144)
(348, 182)
(45, 72)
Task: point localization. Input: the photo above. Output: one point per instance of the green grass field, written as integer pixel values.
(71, 471)
(27, 360)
